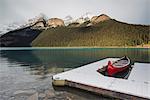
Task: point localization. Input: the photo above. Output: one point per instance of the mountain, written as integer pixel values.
(68, 19)
(40, 18)
(21, 35)
(85, 17)
(55, 22)
(87, 30)
(104, 32)
(4, 28)
(100, 18)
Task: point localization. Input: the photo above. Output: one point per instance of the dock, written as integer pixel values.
(135, 87)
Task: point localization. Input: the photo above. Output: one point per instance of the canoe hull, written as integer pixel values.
(112, 69)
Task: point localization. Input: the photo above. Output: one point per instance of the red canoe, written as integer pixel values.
(118, 66)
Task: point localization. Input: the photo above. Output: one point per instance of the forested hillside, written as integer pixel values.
(106, 33)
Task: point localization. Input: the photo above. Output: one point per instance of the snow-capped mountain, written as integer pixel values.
(4, 28)
(40, 17)
(68, 19)
(83, 18)
(87, 16)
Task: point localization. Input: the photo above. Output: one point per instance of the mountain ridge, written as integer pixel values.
(82, 32)
(106, 33)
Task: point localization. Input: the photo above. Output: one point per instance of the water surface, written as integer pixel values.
(32, 68)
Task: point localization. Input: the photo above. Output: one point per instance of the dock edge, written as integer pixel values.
(96, 90)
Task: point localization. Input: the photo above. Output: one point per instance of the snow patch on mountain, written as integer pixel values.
(83, 18)
(68, 19)
(4, 28)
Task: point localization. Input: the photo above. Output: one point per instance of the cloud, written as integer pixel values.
(130, 11)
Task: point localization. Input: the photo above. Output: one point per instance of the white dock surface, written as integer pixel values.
(137, 84)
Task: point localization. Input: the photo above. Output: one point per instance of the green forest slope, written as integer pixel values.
(107, 33)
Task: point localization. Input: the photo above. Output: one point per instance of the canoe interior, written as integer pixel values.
(123, 62)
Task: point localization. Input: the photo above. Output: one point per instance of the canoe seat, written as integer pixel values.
(120, 63)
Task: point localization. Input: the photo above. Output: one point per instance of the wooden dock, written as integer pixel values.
(136, 87)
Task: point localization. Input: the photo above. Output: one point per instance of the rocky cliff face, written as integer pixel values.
(100, 18)
(55, 22)
(89, 21)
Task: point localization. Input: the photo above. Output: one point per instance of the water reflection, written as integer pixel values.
(44, 61)
(33, 68)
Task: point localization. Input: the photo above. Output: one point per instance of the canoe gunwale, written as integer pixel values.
(123, 65)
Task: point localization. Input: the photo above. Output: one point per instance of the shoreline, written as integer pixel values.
(65, 48)
(138, 46)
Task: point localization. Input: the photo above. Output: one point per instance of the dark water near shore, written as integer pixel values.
(32, 68)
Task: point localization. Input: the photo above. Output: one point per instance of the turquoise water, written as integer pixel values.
(50, 57)
(23, 65)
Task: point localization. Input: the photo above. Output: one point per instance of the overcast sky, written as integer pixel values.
(130, 11)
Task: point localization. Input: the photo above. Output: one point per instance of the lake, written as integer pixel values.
(25, 72)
